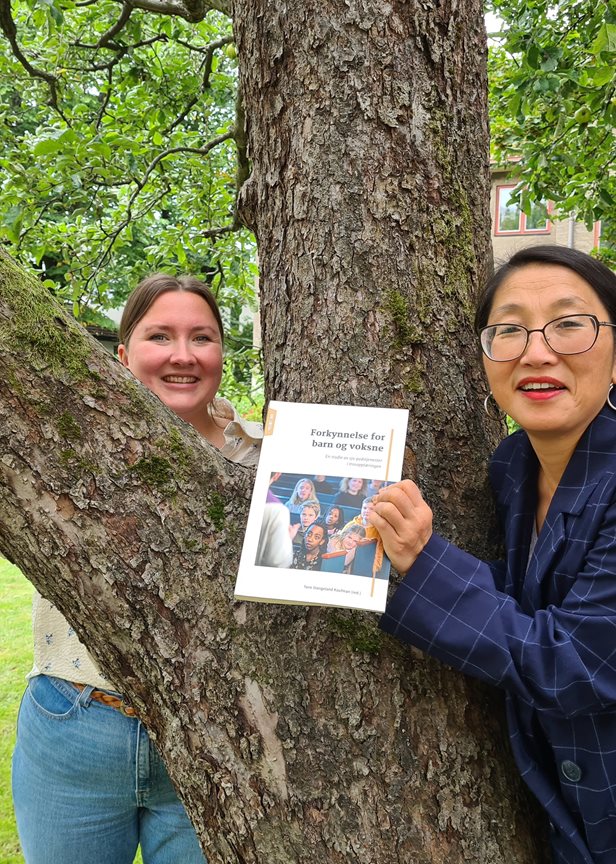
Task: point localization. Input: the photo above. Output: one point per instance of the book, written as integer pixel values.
(307, 538)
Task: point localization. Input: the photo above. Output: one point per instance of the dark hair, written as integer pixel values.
(600, 278)
(320, 523)
(341, 521)
(151, 288)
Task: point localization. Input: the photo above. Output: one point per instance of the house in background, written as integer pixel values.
(108, 338)
(512, 229)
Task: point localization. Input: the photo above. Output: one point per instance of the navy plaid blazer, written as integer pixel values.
(543, 629)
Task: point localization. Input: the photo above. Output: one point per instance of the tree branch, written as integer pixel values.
(202, 151)
(190, 10)
(49, 203)
(121, 52)
(107, 97)
(10, 31)
(209, 56)
(207, 71)
(120, 49)
(242, 173)
(116, 233)
(118, 26)
(239, 134)
(219, 232)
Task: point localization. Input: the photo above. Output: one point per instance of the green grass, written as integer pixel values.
(15, 663)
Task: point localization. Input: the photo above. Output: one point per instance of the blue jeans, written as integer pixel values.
(89, 786)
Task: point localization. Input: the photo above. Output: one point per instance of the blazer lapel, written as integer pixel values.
(518, 503)
(583, 472)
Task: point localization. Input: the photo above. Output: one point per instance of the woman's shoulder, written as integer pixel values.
(512, 447)
(242, 437)
(513, 460)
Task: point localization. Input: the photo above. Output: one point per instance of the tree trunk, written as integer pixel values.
(294, 734)
(369, 197)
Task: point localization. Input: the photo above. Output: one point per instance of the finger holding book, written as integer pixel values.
(404, 521)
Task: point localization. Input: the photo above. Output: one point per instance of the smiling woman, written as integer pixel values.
(174, 347)
(550, 365)
(85, 774)
(541, 624)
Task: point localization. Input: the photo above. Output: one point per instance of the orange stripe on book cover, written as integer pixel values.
(391, 444)
(270, 422)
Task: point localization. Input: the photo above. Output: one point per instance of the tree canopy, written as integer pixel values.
(122, 154)
(553, 103)
(119, 147)
(121, 150)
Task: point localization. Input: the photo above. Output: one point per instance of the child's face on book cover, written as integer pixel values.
(350, 541)
(307, 516)
(314, 537)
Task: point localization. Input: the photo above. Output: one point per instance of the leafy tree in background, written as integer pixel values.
(121, 155)
(553, 104)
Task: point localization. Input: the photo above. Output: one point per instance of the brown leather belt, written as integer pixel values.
(117, 702)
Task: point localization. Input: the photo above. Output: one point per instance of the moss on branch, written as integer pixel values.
(155, 471)
(34, 326)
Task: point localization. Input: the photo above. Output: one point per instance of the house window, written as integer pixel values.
(510, 219)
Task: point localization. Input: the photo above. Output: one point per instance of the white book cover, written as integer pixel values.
(308, 540)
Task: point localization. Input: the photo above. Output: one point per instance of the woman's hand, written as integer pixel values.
(404, 521)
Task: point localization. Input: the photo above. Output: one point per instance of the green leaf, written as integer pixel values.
(602, 75)
(180, 254)
(50, 145)
(13, 215)
(56, 14)
(606, 40)
(550, 64)
(533, 57)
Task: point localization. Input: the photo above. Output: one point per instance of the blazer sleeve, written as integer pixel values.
(561, 659)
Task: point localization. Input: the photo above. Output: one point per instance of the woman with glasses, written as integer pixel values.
(542, 623)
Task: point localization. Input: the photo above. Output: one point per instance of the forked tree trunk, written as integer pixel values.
(294, 734)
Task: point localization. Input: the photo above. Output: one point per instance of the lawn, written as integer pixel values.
(15, 662)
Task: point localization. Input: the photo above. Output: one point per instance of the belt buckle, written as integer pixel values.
(126, 708)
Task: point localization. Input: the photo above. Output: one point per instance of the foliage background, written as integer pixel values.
(121, 156)
(553, 105)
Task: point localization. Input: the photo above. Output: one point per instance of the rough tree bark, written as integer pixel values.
(294, 734)
(369, 198)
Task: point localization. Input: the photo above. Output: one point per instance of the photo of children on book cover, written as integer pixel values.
(320, 523)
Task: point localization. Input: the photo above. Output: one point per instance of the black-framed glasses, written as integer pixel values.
(570, 334)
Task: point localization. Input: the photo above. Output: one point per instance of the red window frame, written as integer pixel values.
(521, 229)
